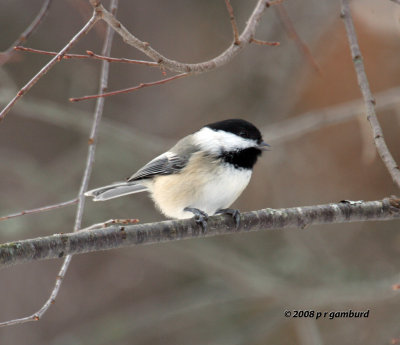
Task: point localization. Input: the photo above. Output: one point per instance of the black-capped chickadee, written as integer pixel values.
(203, 174)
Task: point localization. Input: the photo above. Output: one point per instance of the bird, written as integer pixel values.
(201, 175)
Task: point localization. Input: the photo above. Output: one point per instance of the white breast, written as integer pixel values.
(224, 189)
(208, 190)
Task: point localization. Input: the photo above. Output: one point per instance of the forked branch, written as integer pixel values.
(89, 55)
(85, 29)
(243, 40)
(88, 168)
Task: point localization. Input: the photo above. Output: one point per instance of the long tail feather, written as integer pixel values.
(115, 191)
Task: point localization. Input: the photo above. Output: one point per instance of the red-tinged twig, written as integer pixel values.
(83, 9)
(85, 29)
(44, 52)
(265, 43)
(233, 22)
(40, 209)
(273, 3)
(6, 55)
(369, 100)
(123, 60)
(130, 89)
(89, 55)
(176, 66)
(292, 33)
(85, 179)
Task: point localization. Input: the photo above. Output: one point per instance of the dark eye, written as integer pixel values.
(243, 134)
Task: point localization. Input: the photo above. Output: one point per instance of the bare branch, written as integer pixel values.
(274, 2)
(43, 110)
(302, 124)
(86, 28)
(85, 179)
(131, 89)
(96, 121)
(85, 241)
(100, 12)
(40, 209)
(292, 33)
(6, 55)
(123, 60)
(396, 1)
(233, 22)
(264, 43)
(89, 55)
(176, 66)
(369, 100)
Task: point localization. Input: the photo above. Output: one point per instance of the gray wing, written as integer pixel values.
(165, 164)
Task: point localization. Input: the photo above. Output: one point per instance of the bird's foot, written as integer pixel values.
(235, 214)
(200, 217)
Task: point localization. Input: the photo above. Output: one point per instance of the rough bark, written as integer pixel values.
(117, 236)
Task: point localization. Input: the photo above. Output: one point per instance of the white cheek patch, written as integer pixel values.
(216, 141)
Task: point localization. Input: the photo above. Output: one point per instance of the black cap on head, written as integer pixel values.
(239, 127)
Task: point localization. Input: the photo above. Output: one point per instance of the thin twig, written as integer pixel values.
(164, 62)
(233, 22)
(43, 110)
(302, 124)
(86, 28)
(130, 89)
(7, 54)
(264, 43)
(124, 60)
(369, 100)
(274, 2)
(176, 66)
(116, 236)
(40, 209)
(279, 132)
(110, 222)
(292, 33)
(89, 55)
(396, 1)
(85, 179)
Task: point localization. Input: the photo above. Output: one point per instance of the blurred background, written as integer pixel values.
(226, 290)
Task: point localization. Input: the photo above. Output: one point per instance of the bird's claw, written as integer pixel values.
(200, 217)
(235, 214)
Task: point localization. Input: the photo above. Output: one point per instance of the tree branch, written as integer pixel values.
(40, 209)
(292, 33)
(369, 100)
(6, 55)
(302, 124)
(85, 241)
(89, 55)
(86, 175)
(265, 43)
(85, 29)
(233, 22)
(129, 89)
(176, 66)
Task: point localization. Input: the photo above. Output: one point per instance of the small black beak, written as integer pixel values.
(263, 146)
